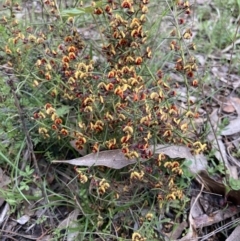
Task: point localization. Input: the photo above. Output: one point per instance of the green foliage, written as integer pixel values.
(213, 20)
(76, 12)
(234, 183)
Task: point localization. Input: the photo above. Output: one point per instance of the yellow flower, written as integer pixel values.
(171, 183)
(136, 175)
(31, 38)
(108, 116)
(149, 216)
(199, 147)
(144, 9)
(88, 101)
(7, 50)
(154, 96)
(88, 109)
(43, 131)
(103, 186)
(128, 130)
(50, 111)
(161, 157)
(135, 23)
(35, 83)
(111, 143)
(121, 117)
(168, 165)
(137, 237)
(64, 132)
(177, 170)
(126, 4)
(171, 197)
(126, 138)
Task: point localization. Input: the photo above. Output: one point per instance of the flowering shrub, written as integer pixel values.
(114, 103)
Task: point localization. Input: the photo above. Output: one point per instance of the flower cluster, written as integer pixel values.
(103, 186)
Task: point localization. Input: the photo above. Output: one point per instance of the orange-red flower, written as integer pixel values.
(126, 4)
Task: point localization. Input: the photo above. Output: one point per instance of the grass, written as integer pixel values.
(98, 203)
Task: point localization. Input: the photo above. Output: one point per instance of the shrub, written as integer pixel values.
(103, 94)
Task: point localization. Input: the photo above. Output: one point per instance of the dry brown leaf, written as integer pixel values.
(234, 235)
(23, 219)
(236, 104)
(226, 104)
(218, 187)
(202, 1)
(191, 234)
(112, 158)
(233, 127)
(115, 158)
(178, 230)
(196, 209)
(220, 73)
(70, 221)
(205, 220)
(4, 212)
(218, 145)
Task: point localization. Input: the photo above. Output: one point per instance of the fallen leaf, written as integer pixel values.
(218, 187)
(205, 220)
(192, 233)
(202, 1)
(235, 234)
(233, 127)
(70, 222)
(23, 220)
(196, 209)
(115, 158)
(226, 104)
(220, 73)
(4, 212)
(236, 104)
(112, 158)
(178, 230)
(217, 144)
